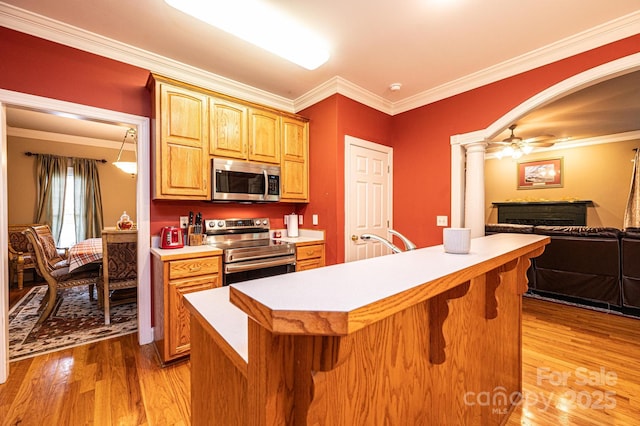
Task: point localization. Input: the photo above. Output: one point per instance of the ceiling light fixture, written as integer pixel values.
(130, 167)
(264, 26)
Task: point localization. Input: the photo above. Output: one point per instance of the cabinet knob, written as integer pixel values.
(354, 238)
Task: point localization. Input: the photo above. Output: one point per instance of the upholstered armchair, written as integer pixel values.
(21, 255)
(54, 268)
(119, 268)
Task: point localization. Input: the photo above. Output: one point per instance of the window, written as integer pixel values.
(68, 233)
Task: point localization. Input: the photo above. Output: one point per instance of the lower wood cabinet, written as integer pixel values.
(175, 276)
(309, 256)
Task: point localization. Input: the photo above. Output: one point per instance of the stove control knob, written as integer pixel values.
(257, 222)
(220, 223)
(264, 222)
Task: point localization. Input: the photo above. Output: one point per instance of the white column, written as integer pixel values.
(474, 203)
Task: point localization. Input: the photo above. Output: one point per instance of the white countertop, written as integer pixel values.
(186, 250)
(228, 320)
(304, 236)
(349, 286)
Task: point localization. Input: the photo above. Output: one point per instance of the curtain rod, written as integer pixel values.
(29, 154)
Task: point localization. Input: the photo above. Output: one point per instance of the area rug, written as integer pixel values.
(75, 321)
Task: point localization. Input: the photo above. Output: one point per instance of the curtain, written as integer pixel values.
(632, 213)
(51, 176)
(87, 199)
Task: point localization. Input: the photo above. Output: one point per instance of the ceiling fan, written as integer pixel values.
(515, 147)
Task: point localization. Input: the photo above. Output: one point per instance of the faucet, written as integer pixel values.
(394, 248)
(408, 244)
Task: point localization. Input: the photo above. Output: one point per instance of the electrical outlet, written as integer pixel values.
(442, 220)
(184, 221)
(300, 220)
(315, 219)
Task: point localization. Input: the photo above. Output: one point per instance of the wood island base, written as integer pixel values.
(447, 351)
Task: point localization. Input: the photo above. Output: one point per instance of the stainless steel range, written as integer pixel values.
(248, 250)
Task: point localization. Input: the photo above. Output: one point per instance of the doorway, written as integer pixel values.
(141, 125)
(368, 197)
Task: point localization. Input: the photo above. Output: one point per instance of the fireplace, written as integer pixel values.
(561, 213)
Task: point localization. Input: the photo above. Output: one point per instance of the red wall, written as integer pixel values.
(421, 137)
(332, 119)
(39, 67)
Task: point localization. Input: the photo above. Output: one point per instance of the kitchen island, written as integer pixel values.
(421, 337)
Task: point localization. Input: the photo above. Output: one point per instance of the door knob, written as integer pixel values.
(354, 238)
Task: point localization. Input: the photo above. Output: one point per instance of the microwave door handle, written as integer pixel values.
(266, 184)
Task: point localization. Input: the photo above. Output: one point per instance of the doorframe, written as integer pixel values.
(459, 143)
(143, 195)
(350, 141)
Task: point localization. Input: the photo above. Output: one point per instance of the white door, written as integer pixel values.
(368, 197)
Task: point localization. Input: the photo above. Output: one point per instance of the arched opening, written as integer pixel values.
(467, 150)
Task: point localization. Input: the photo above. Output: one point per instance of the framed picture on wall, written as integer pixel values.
(540, 174)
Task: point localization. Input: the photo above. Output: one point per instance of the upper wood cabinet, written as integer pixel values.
(295, 160)
(181, 143)
(193, 125)
(229, 133)
(264, 136)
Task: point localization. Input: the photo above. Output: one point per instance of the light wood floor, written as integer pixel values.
(570, 358)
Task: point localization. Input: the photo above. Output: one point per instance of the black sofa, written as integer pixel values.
(630, 244)
(593, 266)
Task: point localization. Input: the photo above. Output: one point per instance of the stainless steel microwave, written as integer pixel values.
(234, 180)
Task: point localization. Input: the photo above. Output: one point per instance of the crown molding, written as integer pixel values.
(344, 87)
(617, 29)
(49, 29)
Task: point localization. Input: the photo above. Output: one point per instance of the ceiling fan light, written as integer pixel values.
(516, 154)
(527, 149)
(261, 25)
(507, 151)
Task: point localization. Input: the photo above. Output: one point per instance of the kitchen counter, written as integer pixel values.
(455, 320)
(186, 251)
(306, 236)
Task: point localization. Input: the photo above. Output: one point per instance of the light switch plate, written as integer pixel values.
(315, 219)
(442, 220)
(184, 221)
(300, 220)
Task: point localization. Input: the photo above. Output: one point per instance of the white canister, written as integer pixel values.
(292, 225)
(456, 240)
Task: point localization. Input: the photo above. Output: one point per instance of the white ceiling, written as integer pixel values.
(426, 45)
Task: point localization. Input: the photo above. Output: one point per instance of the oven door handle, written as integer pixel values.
(230, 268)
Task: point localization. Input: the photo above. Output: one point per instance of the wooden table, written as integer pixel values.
(420, 337)
(84, 253)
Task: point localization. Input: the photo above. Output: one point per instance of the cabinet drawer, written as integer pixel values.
(309, 264)
(193, 267)
(309, 252)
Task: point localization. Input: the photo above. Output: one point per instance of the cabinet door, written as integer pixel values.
(182, 155)
(228, 132)
(264, 136)
(295, 160)
(178, 323)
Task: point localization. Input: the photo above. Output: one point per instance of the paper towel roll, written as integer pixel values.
(292, 225)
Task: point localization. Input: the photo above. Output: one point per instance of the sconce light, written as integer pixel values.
(130, 167)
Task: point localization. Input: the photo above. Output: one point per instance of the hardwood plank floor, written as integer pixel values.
(581, 367)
